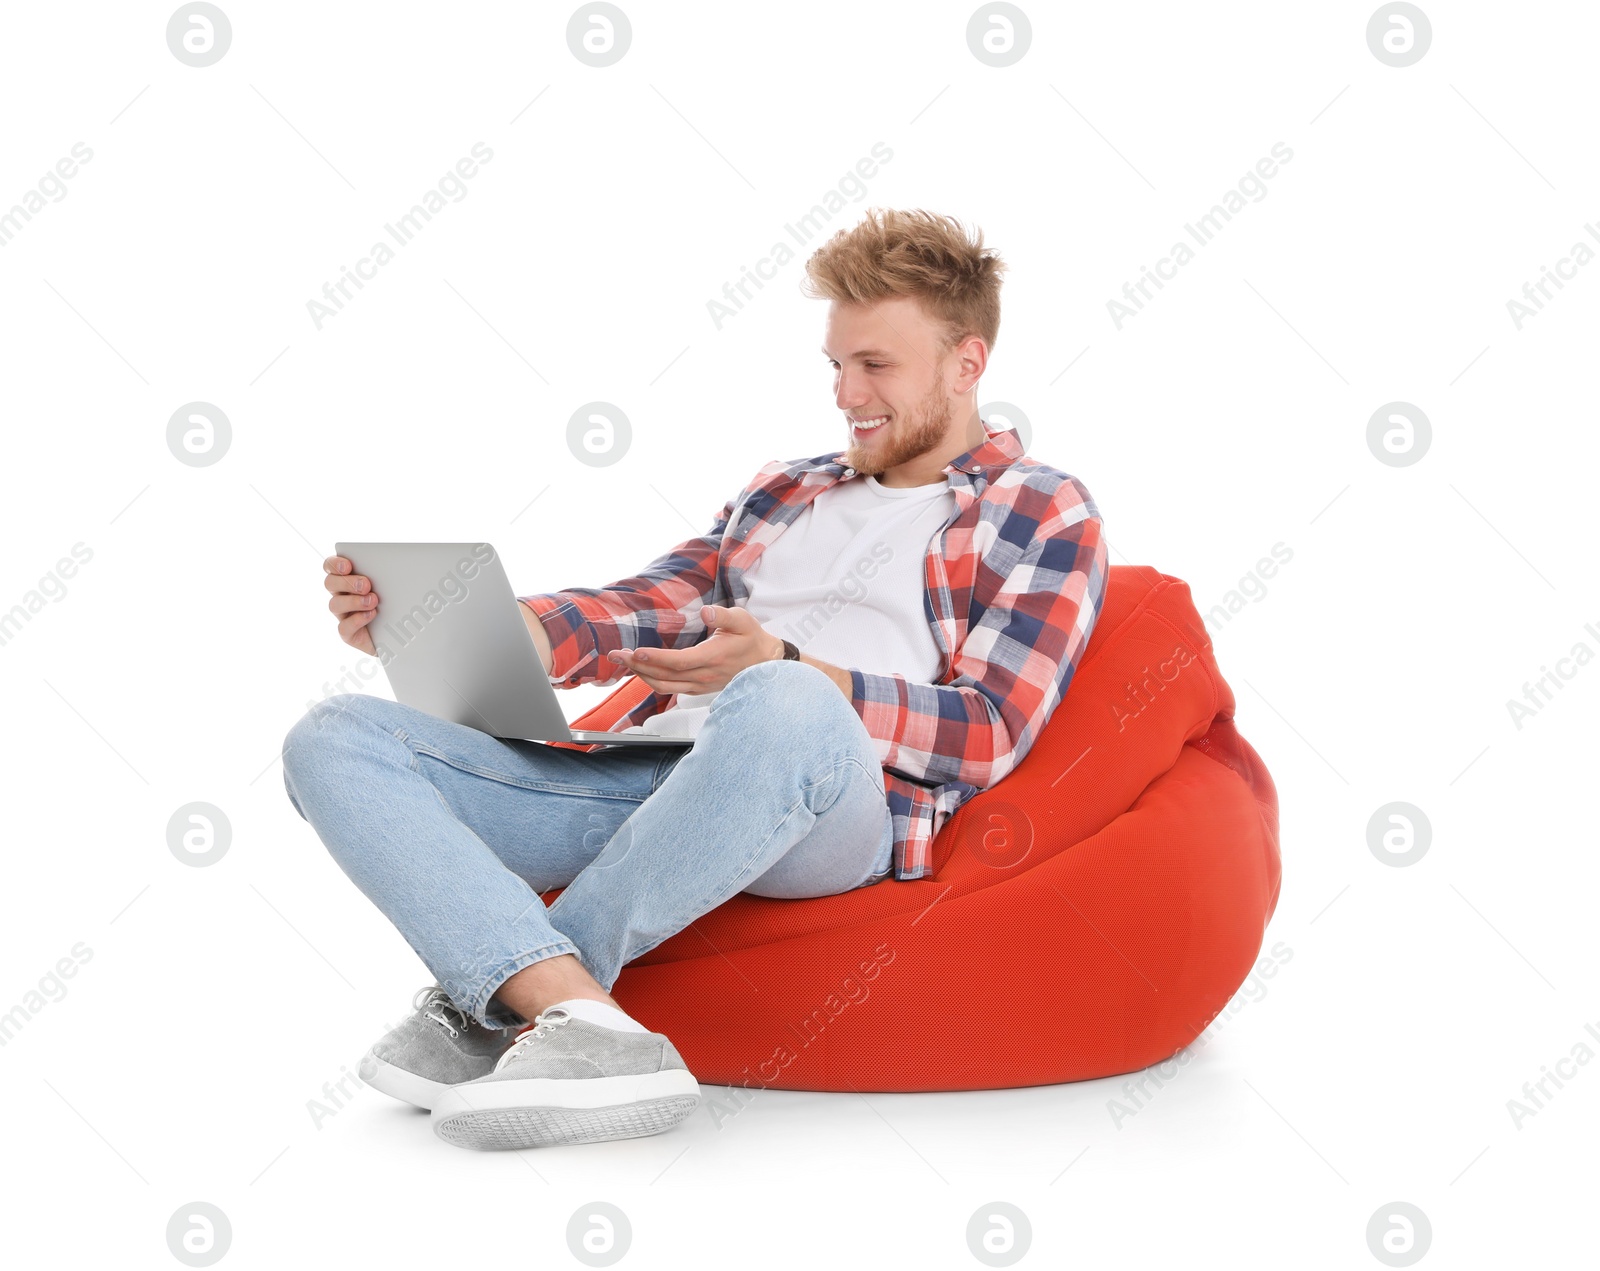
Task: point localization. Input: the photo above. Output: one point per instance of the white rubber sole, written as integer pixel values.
(399, 1084)
(546, 1111)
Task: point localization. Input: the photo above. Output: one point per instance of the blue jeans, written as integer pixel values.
(453, 833)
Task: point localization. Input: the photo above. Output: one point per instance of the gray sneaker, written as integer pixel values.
(438, 1047)
(567, 1080)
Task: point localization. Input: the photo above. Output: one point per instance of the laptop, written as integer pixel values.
(450, 636)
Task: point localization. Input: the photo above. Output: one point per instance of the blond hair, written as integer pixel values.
(923, 255)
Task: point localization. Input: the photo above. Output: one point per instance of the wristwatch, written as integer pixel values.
(790, 652)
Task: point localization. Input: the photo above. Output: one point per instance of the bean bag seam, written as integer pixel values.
(1211, 680)
(1090, 657)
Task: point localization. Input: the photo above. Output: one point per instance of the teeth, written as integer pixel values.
(867, 424)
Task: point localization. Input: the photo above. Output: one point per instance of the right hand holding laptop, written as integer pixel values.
(353, 602)
(355, 605)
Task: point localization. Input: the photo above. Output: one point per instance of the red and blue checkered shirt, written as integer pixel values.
(1014, 585)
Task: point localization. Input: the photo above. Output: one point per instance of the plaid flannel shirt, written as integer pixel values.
(1014, 584)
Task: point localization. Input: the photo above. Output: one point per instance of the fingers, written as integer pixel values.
(353, 631)
(352, 601)
(670, 686)
(339, 576)
(342, 604)
(662, 679)
(353, 622)
(352, 592)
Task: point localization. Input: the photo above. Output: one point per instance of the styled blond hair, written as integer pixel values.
(923, 255)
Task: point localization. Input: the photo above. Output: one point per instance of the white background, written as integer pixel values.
(1229, 416)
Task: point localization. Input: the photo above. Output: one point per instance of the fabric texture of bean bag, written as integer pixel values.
(1100, 904)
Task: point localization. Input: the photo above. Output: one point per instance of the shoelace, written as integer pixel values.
(436, 1005)
(543, 1025)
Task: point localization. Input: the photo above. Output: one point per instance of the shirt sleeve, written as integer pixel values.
(657, 608)
(1014, 666)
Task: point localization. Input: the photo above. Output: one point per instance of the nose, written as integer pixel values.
(848, 392)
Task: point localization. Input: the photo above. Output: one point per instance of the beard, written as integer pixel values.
(902, 440)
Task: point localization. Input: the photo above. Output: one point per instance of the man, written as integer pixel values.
(944, 588)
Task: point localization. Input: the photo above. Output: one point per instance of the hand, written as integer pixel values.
(353, 602)
(737, 641)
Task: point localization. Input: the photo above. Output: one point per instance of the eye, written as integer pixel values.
(875, 365)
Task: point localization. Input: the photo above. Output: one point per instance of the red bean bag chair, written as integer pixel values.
(1099, 905)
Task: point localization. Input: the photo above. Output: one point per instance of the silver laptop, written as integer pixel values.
(451, 638)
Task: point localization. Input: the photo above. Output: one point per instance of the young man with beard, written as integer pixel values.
(815, 769)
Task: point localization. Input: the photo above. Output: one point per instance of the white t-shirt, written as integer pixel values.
(844, 582)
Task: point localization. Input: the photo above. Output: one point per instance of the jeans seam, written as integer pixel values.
(833, 774)
(851, 759)
(664, 767)
(418, 749)
(705, 906)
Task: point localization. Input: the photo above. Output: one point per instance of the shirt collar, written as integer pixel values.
(999, 449)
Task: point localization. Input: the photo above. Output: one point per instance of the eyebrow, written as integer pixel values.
(861, 353)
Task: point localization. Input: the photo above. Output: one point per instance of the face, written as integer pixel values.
(887, 364)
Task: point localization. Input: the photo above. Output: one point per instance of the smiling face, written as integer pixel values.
(890, 365)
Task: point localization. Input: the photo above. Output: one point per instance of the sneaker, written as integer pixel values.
(438, 1047)
(566, 1080)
